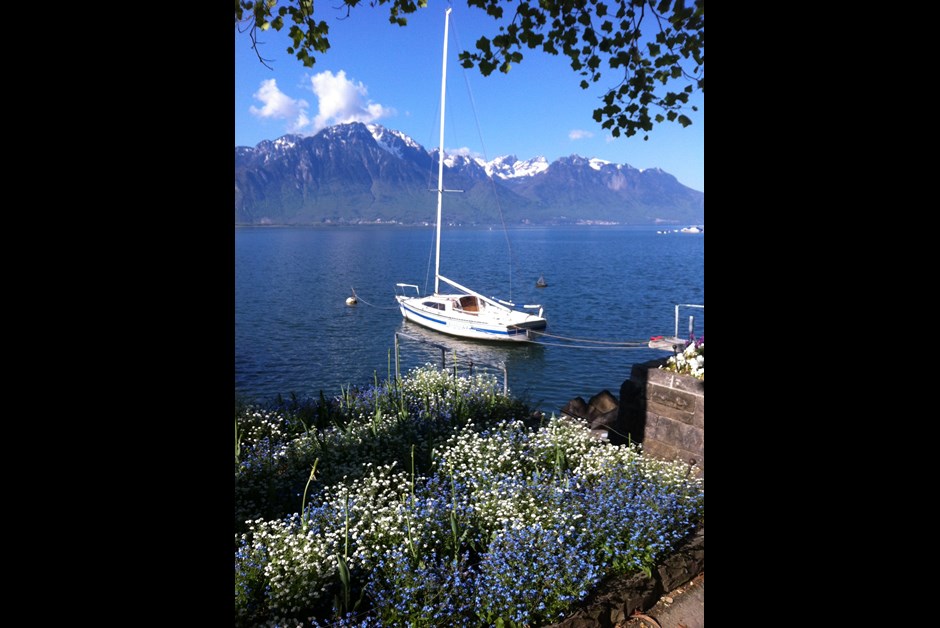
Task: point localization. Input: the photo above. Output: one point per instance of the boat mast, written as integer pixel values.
(440, 160)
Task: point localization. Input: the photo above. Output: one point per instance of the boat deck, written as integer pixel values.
(667, 343)
(674, 342)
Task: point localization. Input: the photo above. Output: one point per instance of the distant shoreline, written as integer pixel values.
(464, 226)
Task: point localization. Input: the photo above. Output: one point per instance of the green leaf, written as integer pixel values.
(343, 570)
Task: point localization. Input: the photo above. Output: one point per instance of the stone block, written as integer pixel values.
(671, 453)
(685, 564)
(667, 396)
(603, 402)
(675, 433)
(614, 601)
(689, 384)
(676, 573)
(605, 421)
(685, 383)
(683, 416)
(659, 449)
(659, 377)
(576, 408)
(698, 417)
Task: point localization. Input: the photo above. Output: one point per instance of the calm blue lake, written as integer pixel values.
(294, 332)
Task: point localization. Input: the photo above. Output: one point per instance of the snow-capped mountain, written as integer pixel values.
(509, 167)
(354, 172)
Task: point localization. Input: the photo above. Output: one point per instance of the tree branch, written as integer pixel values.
(252, 31)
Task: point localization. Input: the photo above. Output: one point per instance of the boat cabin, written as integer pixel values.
(470, 303)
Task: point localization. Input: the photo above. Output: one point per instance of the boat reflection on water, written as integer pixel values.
(515, 364)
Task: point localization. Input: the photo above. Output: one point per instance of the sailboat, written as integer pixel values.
(465, 313)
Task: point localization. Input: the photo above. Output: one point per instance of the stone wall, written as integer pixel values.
(666, 412)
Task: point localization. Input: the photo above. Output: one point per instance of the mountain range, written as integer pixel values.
(357, 173)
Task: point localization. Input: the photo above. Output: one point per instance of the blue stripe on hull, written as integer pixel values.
(425, 316)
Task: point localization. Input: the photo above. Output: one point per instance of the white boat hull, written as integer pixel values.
(501, 325)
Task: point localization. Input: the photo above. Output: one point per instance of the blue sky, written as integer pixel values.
(390, 75)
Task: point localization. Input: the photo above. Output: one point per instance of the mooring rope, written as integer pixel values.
(626, 344)
(379, 307)
(607, 348)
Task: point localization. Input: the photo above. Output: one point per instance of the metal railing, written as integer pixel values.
(691, 320)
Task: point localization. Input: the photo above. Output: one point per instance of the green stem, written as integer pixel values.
(453, 514)
(303, 503)
(346, 531)
(238, 443)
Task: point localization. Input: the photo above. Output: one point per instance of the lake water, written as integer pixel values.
(294, 332)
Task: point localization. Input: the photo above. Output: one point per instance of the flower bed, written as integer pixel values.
(479, 520)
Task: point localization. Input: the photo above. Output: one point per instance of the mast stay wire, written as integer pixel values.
(476, 121)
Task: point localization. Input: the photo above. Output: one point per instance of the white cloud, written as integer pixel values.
(578, 134)
(279, 105)
(298, 125)
(342, 100)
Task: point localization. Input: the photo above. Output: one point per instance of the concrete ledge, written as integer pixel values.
(617, 598)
